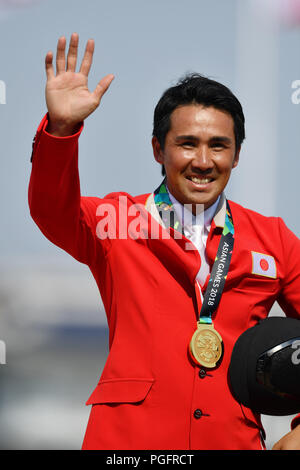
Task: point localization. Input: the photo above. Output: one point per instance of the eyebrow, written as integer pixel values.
(218, 138)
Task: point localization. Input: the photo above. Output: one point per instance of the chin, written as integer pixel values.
(201, 198)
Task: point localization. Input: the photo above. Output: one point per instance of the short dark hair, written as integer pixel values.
(197, 89)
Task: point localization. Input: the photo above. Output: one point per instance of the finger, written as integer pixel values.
(103, 86)
(60, 55)
(72, 53)
(88, 57)
(49, 65)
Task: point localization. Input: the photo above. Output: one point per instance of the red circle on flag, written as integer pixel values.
(264, 264)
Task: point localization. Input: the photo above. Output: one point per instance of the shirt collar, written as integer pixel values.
(159, 204)
(220, 214)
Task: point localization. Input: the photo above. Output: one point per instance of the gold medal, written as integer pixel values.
(206, 345)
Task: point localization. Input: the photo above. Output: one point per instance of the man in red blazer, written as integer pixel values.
(182, 272)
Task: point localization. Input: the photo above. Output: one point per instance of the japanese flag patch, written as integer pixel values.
(263, 265)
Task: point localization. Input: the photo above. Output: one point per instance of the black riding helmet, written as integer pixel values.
(264, 371)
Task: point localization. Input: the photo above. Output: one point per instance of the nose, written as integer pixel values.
(202, 160)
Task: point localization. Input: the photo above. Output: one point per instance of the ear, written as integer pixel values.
(236, 158)
(157, 152)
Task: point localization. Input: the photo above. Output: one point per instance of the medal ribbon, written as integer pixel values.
(206, 343)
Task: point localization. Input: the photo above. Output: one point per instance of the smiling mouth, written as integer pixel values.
(199, 180)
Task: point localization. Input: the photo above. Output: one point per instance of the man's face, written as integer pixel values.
(199, 153)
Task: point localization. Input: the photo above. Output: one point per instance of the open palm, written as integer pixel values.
(68, 98)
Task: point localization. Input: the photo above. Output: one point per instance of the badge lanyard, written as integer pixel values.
(206, 343)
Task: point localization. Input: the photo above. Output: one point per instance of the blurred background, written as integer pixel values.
(52, 323)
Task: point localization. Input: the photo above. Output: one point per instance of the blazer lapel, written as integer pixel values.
(170, 246)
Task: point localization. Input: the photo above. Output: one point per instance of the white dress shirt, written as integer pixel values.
(196, 229)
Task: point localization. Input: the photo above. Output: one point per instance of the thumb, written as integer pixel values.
(103, 86)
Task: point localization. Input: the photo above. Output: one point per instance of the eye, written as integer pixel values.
(188, 143)
(218, 146)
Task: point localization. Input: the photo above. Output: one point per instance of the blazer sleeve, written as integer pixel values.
(289, 299)
(65, 217)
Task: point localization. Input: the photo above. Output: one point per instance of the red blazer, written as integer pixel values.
(150, 395)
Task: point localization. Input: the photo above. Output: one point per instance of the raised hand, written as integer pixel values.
(68, 98)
